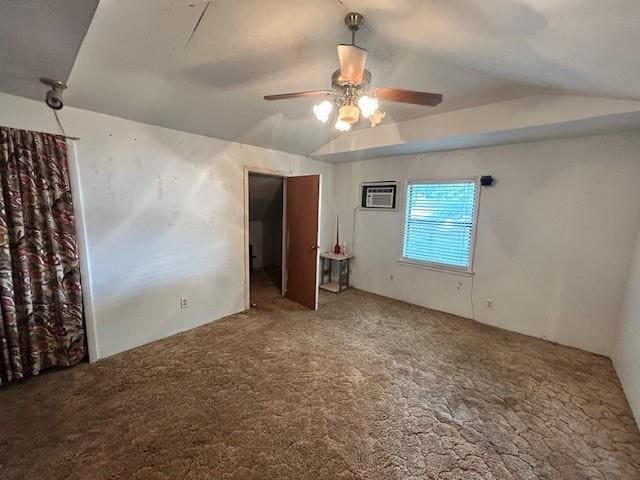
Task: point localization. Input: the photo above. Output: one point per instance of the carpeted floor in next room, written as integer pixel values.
(366, 388)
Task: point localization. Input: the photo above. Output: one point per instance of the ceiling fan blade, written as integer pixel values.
(284, 96)
(407, 96)
(352, 62)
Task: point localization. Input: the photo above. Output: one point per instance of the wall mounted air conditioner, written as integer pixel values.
(379, 195)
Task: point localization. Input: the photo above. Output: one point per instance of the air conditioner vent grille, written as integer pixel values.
(379, 195)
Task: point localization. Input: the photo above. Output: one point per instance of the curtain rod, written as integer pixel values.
(67, 137)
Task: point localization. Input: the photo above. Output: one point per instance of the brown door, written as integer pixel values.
(303, 206)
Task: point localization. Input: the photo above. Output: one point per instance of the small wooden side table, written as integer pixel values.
(327, 282)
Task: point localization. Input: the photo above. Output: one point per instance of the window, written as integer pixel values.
(439, 223)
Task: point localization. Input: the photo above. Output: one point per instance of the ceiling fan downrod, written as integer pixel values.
(354, 21)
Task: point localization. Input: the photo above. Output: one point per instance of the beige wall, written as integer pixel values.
(554, 237)
(163, 213)
(626, 357)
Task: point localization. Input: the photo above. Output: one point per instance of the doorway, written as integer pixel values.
(282, 219)
(266, 201)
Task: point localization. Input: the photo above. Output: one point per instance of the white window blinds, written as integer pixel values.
(439, 222)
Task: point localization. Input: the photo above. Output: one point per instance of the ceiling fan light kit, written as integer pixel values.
(377, 117)
(351, 93)
(342, 126)
(368, 105)
(349, 113)
(323, 110)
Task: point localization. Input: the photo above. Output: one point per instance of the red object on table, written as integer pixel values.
(336, 248)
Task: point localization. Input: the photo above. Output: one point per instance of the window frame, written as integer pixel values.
(474, 226)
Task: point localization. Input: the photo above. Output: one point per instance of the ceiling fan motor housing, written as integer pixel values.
(339, 83)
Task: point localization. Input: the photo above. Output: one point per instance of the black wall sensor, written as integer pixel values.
(486, 180)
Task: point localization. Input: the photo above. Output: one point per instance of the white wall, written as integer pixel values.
(525, 119)
(554, 236)
(626, 357)
(164, 218)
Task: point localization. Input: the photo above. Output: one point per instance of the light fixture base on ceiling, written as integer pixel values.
(354, 21)
(50, 82)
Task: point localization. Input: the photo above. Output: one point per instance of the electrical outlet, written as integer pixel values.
(184, 302)
(489, 303)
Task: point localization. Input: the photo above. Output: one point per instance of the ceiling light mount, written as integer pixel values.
(53, 97)
(354, 21)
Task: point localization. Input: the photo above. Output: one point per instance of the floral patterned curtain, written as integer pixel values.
(41, 319)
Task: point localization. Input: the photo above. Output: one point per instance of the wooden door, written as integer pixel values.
(303, 208)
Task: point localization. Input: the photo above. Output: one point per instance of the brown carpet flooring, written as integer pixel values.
(266, 293)
(366, 388)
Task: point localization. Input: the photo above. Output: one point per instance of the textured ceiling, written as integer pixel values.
(143, 59)
(585, 46)
(137, 62)
(40, 38)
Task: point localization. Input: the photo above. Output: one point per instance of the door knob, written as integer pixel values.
(315, 247)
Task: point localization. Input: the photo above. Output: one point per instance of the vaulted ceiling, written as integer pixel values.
(203, 67)
(40, 38)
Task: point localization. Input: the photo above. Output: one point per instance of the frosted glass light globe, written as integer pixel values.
(342, 126)
(368, 105)
(323, 110)
(377, 117)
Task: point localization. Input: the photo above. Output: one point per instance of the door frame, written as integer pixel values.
(90, 324)
(247, 275)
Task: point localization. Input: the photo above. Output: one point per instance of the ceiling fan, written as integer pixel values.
(351, 93)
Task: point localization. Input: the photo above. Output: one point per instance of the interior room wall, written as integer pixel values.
(554, 237)
(626, 357)
(163, 212)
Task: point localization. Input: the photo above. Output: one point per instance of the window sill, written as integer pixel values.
(435, 267)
